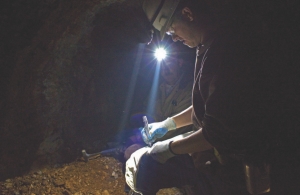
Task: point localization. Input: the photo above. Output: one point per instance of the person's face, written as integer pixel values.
(181, 30)
(170, 71)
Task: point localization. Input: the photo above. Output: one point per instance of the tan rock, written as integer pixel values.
(105, 192)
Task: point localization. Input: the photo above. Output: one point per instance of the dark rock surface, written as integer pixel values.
(102, 176)
(58, 58)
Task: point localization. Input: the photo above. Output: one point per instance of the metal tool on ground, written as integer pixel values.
(87, 156)
(109, 152)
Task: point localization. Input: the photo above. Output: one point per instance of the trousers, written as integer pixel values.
(178, 171)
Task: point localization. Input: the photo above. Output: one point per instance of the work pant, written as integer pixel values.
(213, 178)
(180, 171)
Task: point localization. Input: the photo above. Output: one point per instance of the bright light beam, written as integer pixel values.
(132, 85)
(160, 54)
(153, 92)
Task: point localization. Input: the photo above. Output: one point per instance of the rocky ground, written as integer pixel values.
(100, 176)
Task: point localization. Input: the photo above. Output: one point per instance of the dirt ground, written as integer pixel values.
(100, 176)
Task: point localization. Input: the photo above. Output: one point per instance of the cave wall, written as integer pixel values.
(65, 71)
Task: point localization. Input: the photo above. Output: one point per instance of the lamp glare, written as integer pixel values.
(160, 54)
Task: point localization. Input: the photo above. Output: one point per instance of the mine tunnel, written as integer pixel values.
(73, 73)
(66, 70)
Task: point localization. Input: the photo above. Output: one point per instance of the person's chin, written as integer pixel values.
(190, 45)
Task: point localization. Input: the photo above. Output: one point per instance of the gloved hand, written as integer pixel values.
(158, 130)
(161, 152)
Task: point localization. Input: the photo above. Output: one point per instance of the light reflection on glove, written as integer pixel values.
(158, 130)
(160, 151)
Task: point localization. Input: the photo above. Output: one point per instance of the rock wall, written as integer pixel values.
(65, 71)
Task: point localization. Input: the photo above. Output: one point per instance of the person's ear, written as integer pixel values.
(187, 13)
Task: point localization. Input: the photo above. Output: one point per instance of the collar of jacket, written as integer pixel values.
(203, 47)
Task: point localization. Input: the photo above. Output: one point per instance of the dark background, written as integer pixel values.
(65, 73)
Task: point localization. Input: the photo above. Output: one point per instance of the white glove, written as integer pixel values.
(161, 152)
(158, 130)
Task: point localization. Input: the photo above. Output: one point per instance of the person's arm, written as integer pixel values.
(163, 150)
(193, 143)
(184, 118)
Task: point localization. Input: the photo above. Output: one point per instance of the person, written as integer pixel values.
(173, 96)
(244, 104)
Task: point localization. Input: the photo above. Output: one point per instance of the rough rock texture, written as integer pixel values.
(101, 176)
(58, 58)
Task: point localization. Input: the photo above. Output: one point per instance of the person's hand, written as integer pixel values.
(161, 152)
(158, 130)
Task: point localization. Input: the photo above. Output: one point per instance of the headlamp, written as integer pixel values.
(160, 54)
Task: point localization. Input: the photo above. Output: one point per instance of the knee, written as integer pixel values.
(131, 149)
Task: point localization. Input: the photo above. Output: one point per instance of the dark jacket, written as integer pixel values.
(235, 97)
(246, 99)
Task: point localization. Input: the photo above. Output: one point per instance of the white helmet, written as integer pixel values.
(159, 13)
